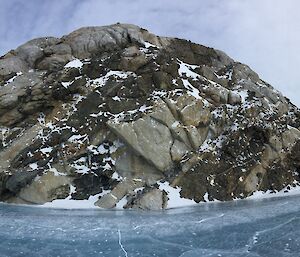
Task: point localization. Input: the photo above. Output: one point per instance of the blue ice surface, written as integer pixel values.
(247, 228)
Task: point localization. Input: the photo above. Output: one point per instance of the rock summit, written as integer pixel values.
(119, 117)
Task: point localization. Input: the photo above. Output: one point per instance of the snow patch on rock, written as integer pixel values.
(76, 63)
(174, 198)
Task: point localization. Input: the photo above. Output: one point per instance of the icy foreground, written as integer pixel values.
(249, 228)
(116, 117)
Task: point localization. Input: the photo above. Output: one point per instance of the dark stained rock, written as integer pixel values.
(19, 180)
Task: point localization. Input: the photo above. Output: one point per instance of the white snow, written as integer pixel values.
(73, 204)
(119, 74)
(116, 145)
(95, 115)
(13, 78)
(268, 194)
(205, 197)
(46, 150)
(175, 200)
(78, 138)
(100, 82)
(191, 89)
(121, 203)
(93, 149)
(174, 82)
(185, 68)
(116, 176)
(56, 172)
(41, 119)
(235, 126)
(116, 98)
(106, 166)
(102, 150)
(219, 141)
(139, 189)
(33, 166)
(76, 63)
(109, 159)
(175, 124)
(81, 169)
(206, 146)
(144, 108)
(229, 74)
(80, 165)
(243, 94)
(4, 132)
(69, 203)
(220, 76)
(66, 84)
(147, 45)
(159, 94)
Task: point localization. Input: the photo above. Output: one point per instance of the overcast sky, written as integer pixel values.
(261, 33)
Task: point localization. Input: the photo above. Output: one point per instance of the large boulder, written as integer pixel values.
(110, 114)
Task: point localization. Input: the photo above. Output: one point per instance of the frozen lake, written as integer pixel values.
(269, 227)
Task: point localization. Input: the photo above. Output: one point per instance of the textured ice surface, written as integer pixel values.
(248, 228)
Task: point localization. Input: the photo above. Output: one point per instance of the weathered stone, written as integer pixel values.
(253, 180)
(54, 62)
(218, 94)
(11, 118)
(290, 137)
(162, 80)
(45, 189)
(130, 166)
(148, 138)
(12, 64)
(190, 110)
(89, 40)
(30, 53)
(133, 63)
(130, 110)
(178, 150)
(276, 142)
(234, 98)
(19, 180)
(107, 201)
(152, 200)
(125, 187)
(269, 155)
(59, 49)
(195, 137)
(163, 114)
(131, 51)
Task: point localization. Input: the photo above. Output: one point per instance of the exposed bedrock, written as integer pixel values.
(123, 118)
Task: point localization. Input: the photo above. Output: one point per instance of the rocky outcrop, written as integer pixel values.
(138, 121)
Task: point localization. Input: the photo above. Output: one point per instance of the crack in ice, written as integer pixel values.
(211, 218)
(257, 234)
(120, 243)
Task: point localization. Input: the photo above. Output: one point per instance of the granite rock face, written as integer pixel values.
(116, 113)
